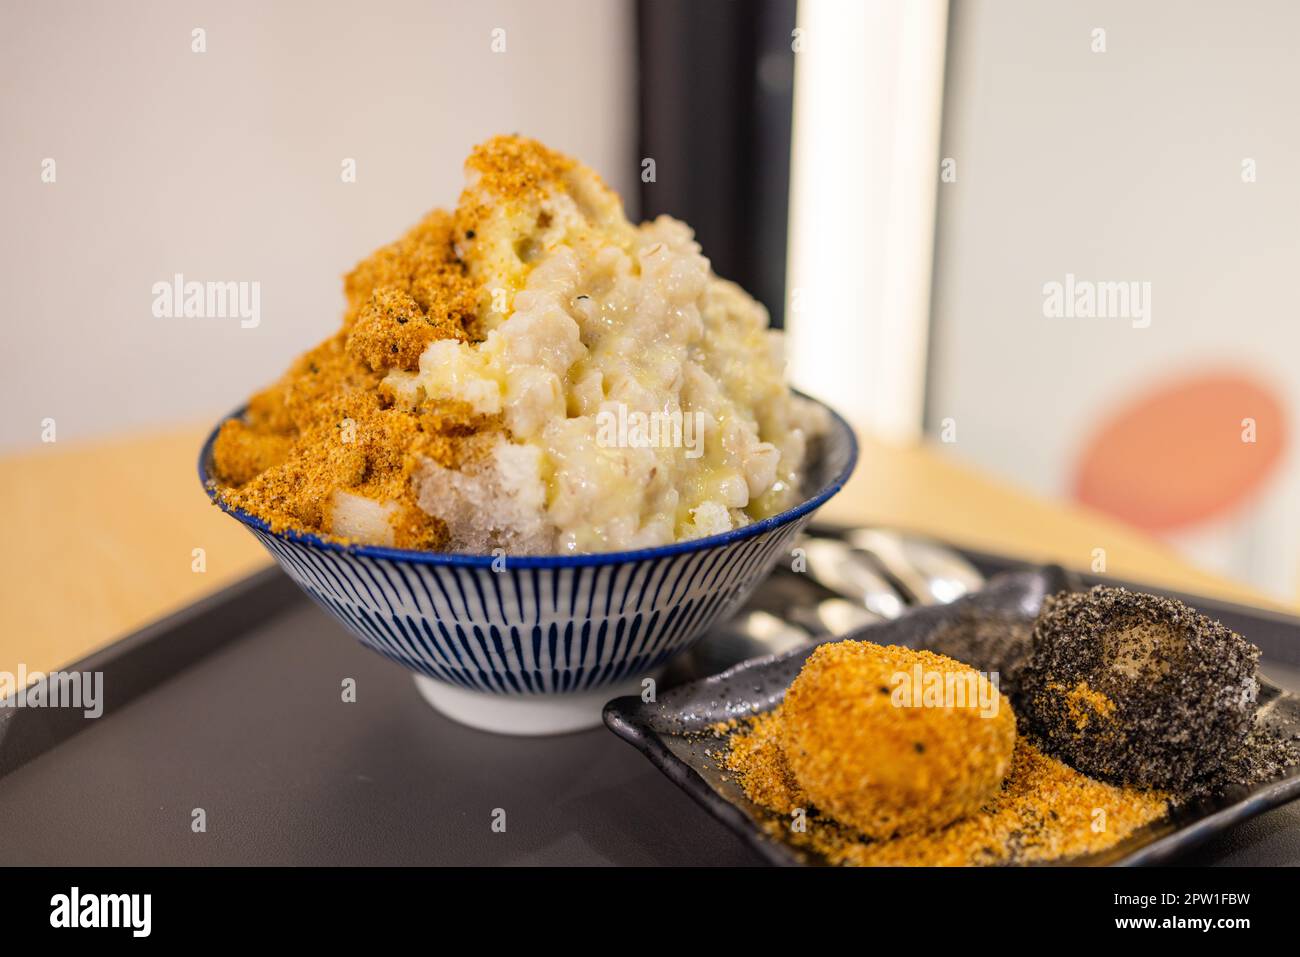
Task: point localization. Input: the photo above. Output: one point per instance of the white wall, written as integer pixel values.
(1122, 165)
(226, 166)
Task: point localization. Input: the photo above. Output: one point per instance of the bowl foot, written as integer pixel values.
(532, 715)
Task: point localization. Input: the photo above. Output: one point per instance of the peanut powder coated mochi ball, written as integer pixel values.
(889, 740)
(1137, 689)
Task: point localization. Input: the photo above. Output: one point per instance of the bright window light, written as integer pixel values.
(865, 165)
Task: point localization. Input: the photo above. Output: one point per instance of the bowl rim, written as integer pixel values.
(465, 560)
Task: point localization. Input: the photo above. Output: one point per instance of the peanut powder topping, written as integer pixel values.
(530, 372)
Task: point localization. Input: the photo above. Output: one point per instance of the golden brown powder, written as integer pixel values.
(1044, 811)
(420, 280)
(1085, 704)
(330, 425)
(755, 755)
(513, 171)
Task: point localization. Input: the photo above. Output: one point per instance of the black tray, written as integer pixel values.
(234, 706)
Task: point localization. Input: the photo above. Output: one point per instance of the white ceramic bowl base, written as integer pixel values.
(531, 715)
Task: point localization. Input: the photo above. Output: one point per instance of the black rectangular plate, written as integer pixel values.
(673, 732)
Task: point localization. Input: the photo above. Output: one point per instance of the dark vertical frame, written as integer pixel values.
(715, 93)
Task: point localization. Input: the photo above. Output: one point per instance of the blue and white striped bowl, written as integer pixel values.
(537, 646)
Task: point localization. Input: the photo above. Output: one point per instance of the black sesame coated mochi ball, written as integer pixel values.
(1137, 689)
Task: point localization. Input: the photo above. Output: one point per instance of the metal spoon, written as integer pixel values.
(751, 634)
(931, 573)
(833, 616)
(838, 567)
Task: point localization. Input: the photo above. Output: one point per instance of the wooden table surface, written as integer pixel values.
(103, 535)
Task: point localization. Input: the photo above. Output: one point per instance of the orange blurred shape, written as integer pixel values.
(1179, 454)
